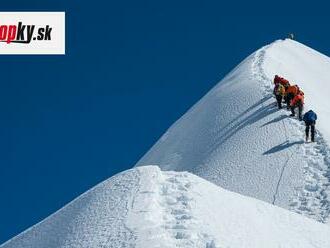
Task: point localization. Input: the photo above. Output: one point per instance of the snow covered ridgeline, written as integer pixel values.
(145, 207)
(236, 137)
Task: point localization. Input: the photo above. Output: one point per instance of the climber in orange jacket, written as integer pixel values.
(284, 82)
(290, 93)
(297, 102)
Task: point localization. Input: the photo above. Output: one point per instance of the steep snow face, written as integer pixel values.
(95, 219)
(310, 70)
(146, 207)
(237, 138)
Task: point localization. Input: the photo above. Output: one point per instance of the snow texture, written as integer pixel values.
(311, 71)
(145, 207)
(96, 219)
(236, 137)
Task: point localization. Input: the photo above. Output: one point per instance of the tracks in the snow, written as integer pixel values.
(179, 219)
(313, 199)
(259, 73)
(162, 214)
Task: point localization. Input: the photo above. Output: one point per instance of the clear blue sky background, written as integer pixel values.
(132, 68)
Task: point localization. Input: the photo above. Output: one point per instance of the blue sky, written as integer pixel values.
(131, 69)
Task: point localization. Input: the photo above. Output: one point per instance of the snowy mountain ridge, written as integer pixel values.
(236, 137)
(145, 207)
(233, 142)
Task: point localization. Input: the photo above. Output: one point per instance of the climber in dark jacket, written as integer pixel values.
(310, 120)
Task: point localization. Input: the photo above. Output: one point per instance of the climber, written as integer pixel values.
(291, 36)
(285, 82)
(297, 102)
(286, 85)
(279, 92)
(290, 93)
(280, 80)
(276, 79)
(310, 119)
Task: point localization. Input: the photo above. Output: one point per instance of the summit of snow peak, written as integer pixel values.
(236, 137)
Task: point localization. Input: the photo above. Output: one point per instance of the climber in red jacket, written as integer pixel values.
(297, 102)
(281, 80)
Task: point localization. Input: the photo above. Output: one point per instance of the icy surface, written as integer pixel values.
(148, 208)
(237, 138)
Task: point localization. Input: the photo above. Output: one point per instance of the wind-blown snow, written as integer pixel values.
(145, 207)
(237, 138)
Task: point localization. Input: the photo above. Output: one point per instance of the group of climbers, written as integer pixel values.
(294, 98)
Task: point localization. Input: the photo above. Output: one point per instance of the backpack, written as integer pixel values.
(298, 100)
(310, 116)
(293, 89)
(284, 82)
(280, 90)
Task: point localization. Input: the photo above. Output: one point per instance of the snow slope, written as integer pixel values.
(234, 137)
(237, 138)
(311, 71)
(145, 207)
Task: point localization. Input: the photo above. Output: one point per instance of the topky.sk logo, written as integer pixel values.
(21, 33)
(32, 32)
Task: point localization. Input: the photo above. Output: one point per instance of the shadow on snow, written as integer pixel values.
(282, 146)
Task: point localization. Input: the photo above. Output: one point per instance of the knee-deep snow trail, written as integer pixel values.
(179, 220)
(167, 202)
(313, 198)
